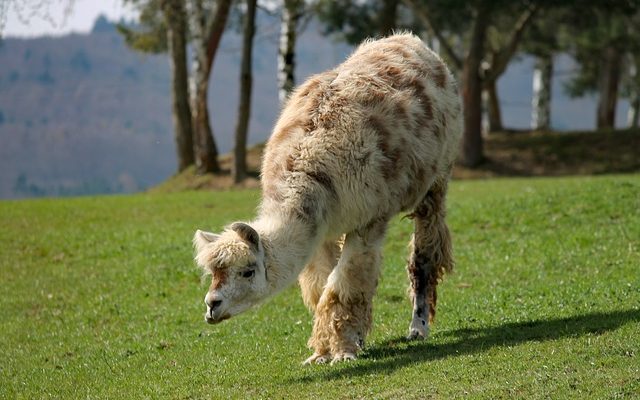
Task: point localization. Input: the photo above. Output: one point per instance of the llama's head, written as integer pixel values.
(236, 261)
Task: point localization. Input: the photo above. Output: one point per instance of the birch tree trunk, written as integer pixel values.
(286, 53)
(633, 115)
(541, 100)
(239, 169)
(175, 18)
(608, 88)
(208, 27)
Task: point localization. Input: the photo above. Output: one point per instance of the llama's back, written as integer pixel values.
(365, 140)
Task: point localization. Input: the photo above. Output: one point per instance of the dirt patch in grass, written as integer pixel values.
(507, 154)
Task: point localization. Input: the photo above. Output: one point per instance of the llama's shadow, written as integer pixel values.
(397, 353)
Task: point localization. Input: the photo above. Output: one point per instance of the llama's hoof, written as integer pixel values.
(414, 334)
(419, 329)
(317, 359)
(343, 357)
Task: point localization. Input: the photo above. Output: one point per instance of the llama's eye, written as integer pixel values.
(249, 273)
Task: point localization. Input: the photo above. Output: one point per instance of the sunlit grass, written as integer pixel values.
(100, 299)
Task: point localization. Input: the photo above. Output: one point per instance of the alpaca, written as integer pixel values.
(353, 147)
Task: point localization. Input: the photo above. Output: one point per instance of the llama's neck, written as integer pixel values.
(289, 245)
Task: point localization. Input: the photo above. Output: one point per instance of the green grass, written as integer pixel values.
(99, 298)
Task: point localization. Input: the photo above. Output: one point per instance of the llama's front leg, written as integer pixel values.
(313, 280)
(313, 277)
(344, 313)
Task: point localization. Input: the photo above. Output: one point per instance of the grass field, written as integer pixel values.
(99, 298)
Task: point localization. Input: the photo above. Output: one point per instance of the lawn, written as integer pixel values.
(100, 298)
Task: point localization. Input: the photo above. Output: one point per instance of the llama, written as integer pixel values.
(353, 147)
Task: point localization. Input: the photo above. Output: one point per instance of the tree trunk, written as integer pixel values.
(175, 18)
(472, 152)
(239, 169)
(207, 33)
(608, 88)
(633, 114)
(287, 50)
(634, 98)
(493, 107)
(541, 101)
(206, 151)
(387, 17)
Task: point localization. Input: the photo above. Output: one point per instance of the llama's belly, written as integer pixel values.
(379, 189)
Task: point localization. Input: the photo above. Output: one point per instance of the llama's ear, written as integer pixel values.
(202, 238)
(247, 233)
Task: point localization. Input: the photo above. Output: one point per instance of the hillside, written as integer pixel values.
(84, 114)
(507, 155)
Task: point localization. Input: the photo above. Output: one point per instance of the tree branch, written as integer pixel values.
(501, 58)
(422, 12)
(215, 29)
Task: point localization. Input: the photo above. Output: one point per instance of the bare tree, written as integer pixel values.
(291, 13)
(541, 100)
(239, 169)
(209, 19)
(27, 10)
(176, 23)
(633, 115)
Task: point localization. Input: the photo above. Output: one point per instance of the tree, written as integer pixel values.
(208, 19)
(176, 26)
(291, 13)
(631, 80)
(28, 10)
(483, 63)
(164, 28)
(239, 170)
(600, 38)
(541, 87)
(388, 17)
(542, 40)
(503, 40)
(354, 21)
(632, 90)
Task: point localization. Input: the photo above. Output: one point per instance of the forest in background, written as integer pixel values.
(85, 114)
(79, 116)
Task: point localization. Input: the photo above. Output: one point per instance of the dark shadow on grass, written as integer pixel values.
(397, 353)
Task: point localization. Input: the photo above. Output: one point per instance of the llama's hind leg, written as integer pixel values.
(344, 313)
(430, 258)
